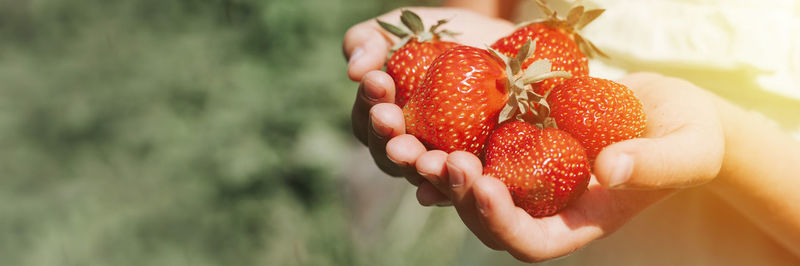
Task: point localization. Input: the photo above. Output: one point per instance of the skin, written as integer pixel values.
(375, 118)
(693, 138)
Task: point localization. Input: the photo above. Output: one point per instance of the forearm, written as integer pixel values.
(760, 174)
(493, 8)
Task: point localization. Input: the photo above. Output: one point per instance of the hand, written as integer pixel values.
(682, 146)
(375, 118)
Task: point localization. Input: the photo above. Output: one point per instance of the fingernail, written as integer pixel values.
(373, 93)
(622, 170)
(378, 131)
(357, 52)
(456, 177)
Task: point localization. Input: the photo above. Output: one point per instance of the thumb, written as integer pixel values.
(688, 156)
(365, 47)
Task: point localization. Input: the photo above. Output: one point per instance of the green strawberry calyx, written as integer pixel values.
(576, 20)
(413, 27)
(523, 103)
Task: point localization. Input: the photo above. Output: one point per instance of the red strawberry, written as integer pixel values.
(464, 92)
(557, 41)
(414, 53)
(544, 169)
(459, 102)
(597, 112)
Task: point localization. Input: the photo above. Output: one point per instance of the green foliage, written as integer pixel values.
(156, 132)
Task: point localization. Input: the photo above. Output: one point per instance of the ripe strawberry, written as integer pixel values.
(597, 112)
(544, 169)
(557, 41)
(414, 53)
(467, 91)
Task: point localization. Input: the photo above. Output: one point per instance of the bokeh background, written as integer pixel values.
(195, 132)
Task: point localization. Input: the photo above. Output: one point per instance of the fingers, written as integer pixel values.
(404, 150)
(386, 121)
(428, 195)
(432, 165)
(463, 168)
(386, 124)
(685, 157)
(376, 87)
(524, 237)
(396, 156)
(498, 214)
(365, 47)
(683, 142)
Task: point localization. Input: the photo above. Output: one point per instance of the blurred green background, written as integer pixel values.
(183, 132)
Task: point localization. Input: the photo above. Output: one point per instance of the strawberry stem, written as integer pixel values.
(523, 103)
(414, 28)
(577, 19)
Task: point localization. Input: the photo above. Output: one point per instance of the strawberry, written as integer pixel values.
(466, 92)
(557, 41)
(544, 169)
(597, 112)
(414, 53)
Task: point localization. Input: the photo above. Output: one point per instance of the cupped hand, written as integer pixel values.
(377, 121)
(682, 146)
(366, 45)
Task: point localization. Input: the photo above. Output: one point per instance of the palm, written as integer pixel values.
(682, 146)
(674, 111)
(668, 110)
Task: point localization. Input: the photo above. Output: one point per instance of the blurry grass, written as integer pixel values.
(158, 132)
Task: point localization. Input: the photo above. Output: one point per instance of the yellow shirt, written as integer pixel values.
(745, 51)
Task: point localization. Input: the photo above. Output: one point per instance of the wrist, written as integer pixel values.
(726, 113)
(750, 143)
(759, 170)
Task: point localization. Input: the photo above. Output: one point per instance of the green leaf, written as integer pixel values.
(588, 17)
(574, 15)
(597, 50)
(508, 111)
(548, 75)
(437, 25)
(451, 34)
(545, 9)
(412, 21)
(394, 30)
(526, 51)
(499, 55)
(400, 43)
(516, 66)
(583, 46)
(538, 67)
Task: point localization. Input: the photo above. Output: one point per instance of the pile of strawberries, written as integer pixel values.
(526, 106)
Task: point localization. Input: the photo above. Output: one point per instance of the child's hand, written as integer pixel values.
(682, 146)
(375, 118)
(366, 45)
